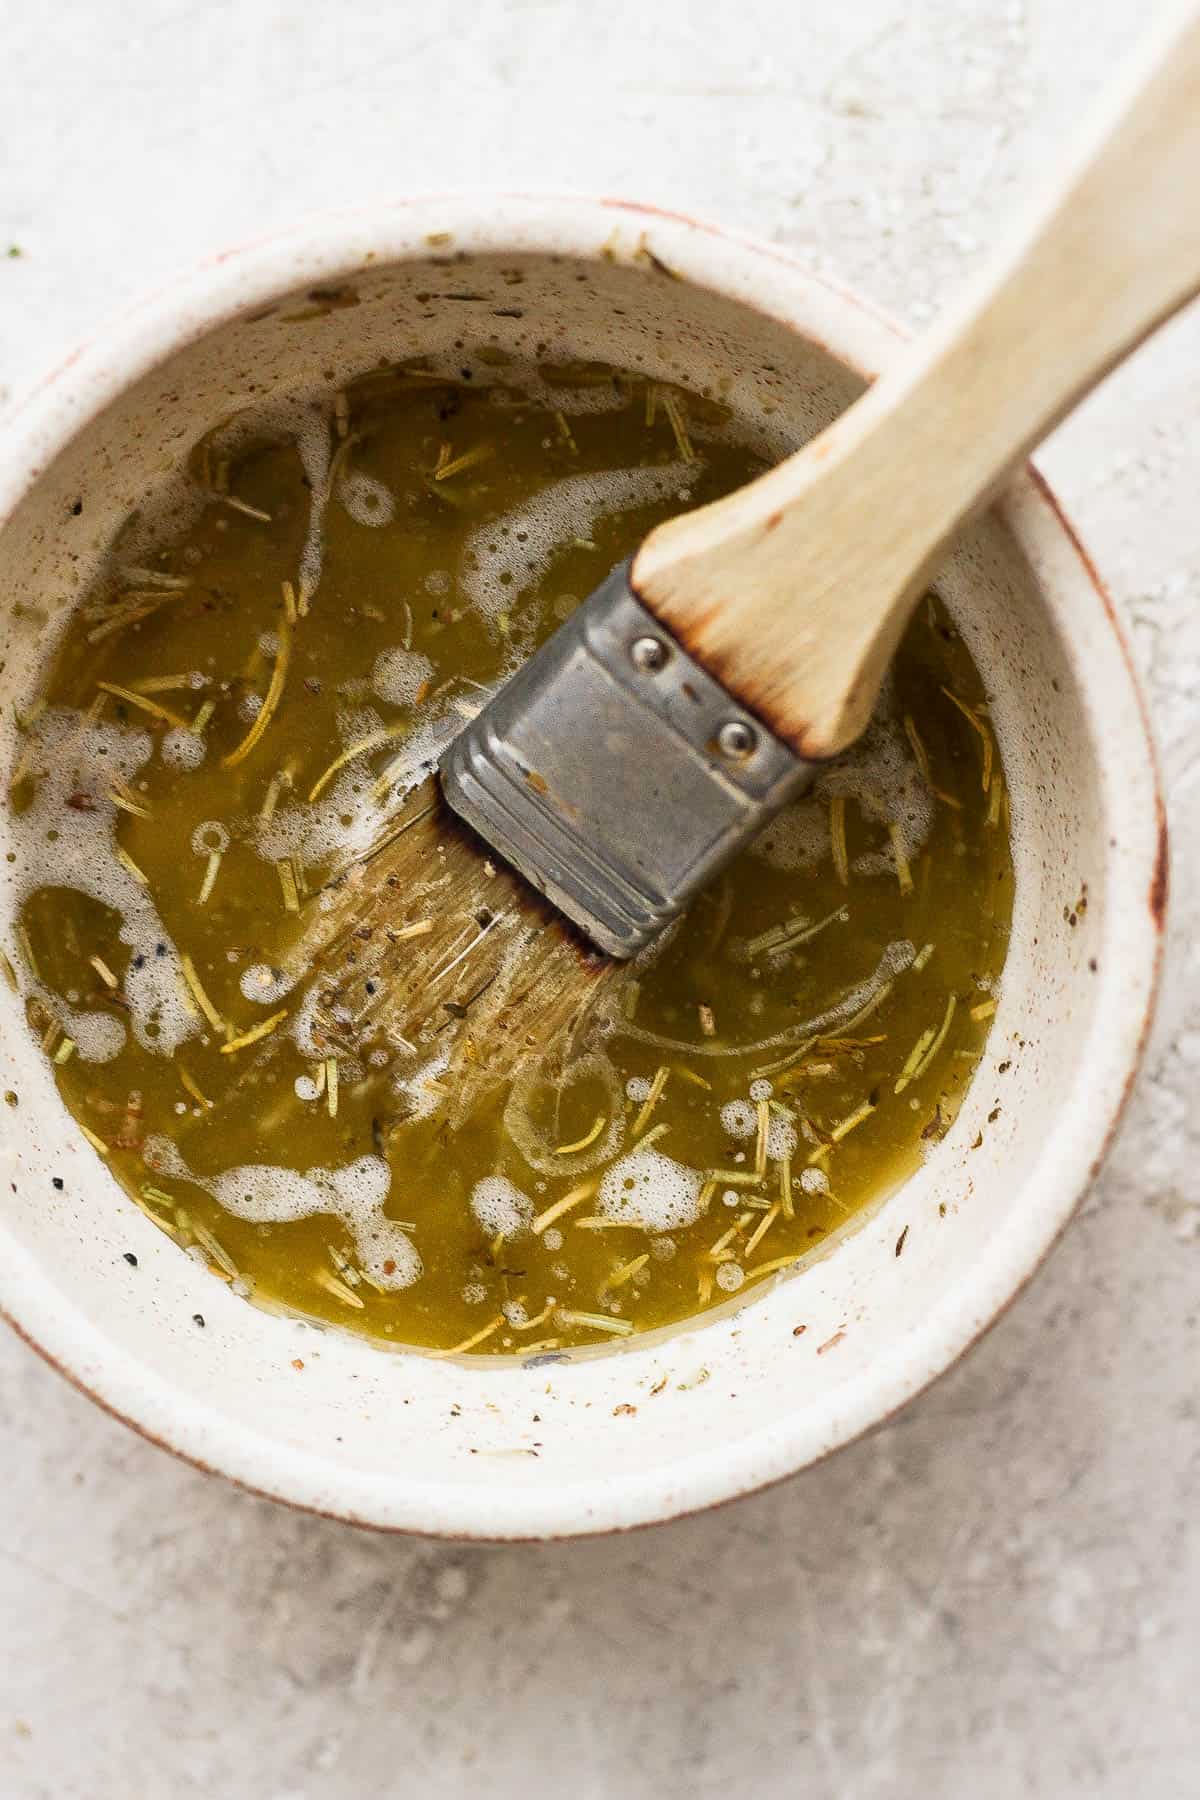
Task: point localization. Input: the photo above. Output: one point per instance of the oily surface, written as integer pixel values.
(785, 1057)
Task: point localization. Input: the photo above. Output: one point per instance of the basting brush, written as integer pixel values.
(697, 690)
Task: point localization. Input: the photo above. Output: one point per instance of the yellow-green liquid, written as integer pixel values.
(852, 984)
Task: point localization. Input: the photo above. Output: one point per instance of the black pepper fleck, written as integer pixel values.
(131, 1259)
(198, 1319)
(57, 1182)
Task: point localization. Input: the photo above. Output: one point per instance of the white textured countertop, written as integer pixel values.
(997, 1595)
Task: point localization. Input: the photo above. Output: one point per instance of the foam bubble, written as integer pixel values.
(161, 1155)
(305, 1087)
(262, 1192)
(730, 1277)
(500, 1207)
(181, 749)
(898, 956)
(387, 1254)
(814, 1181)
(366, 500)
(540, 1151)
(781, 1139)
(797, 838)
(881, 776)
(210, 838)
(65, 755)
(303, 1024)
(739, 1118)
(314, 441)
(347, 818)
(398, 675)
(638, 1089)
(649, 1189)
(267, 1194)
(264, 985)
(424, 1100)
(506, 555)
(306, 421)
(98, 1036)
(761, 1089)
(354, 723)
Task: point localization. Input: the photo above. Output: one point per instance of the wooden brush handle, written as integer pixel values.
(794, 591)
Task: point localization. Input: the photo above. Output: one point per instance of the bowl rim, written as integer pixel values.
(329, 246)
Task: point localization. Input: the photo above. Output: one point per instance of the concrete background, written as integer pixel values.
(997, 1594)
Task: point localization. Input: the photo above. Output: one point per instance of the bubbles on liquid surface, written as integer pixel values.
(501, 1207)
(881, 778)
(399, 674)
(498, 564)
(264, 985)
(593, 1073)
(67, 756)
(782, 1139)
(652, 1190)
(367, 501)
(267, 1194)
(210, 839)
(99, 1037)
(347, 817)
(182, 749)
(739, 1118)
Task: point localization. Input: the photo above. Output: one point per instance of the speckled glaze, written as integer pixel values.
(682, 1420)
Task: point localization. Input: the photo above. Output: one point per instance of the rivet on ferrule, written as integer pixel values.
(648, 654)
(737, 740)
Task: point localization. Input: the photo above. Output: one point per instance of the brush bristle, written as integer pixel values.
(430, 944)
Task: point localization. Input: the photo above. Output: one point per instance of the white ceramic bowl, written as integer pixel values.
(688, 1418)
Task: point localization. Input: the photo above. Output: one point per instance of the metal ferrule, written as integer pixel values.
(615, 773)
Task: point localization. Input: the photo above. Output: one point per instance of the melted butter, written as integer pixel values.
(818, 1015)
